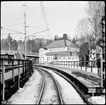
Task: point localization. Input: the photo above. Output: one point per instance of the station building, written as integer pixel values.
(61, 49)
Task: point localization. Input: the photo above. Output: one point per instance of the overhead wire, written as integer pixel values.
(37, 32)
(9, 33)
(42, 7)
(44, 15)
(11, 30)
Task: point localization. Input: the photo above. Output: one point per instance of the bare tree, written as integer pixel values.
(90, 27)
(84, 29)
(95, 10)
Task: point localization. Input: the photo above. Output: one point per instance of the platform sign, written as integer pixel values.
(92, 57)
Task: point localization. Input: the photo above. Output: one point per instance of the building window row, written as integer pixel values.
(71, 57)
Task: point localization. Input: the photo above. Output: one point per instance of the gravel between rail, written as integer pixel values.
(50, 94)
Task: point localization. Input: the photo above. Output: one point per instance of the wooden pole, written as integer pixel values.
(18, 74)
(3, 80)
(13, 70)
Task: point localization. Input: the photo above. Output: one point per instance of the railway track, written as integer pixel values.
(49, 92)
(70, 82)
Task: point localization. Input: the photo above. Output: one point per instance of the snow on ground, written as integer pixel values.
(29, 93)
(69, 94)
(97, 99)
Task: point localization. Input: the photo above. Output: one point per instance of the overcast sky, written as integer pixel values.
(62, 17)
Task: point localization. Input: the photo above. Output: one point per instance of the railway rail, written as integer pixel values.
(44, 89)
(68, 80)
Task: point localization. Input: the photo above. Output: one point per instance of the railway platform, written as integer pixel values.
(90, 80)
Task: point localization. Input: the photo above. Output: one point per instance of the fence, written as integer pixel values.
(13, 51)
(13, 74)
(89, 66)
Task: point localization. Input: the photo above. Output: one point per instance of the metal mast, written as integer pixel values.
(25, 7)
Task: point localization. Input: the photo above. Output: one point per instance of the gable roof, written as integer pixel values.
(61, 43)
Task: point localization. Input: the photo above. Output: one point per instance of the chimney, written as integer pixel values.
(64, 36)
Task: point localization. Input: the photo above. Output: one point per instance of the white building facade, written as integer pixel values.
(59, 50)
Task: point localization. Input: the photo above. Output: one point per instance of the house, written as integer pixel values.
(61, 49)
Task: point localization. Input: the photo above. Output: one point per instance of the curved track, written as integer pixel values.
(42, 92)
(42, 89)
(68, 80)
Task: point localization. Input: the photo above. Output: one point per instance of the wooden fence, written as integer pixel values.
(13, 74)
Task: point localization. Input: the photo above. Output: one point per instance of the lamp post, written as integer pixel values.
(25, 7)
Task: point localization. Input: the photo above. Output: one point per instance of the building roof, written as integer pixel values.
(61, 43)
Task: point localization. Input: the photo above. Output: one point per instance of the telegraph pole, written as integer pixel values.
(25, 7)
(25, 31)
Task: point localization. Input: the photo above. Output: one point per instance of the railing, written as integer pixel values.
(8, 51)
(12, 52)
(13, 74)
(89, 66)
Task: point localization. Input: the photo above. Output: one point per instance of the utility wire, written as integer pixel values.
(11, 30)
(42, 7)
(37, 32)
(44, 15)
(9, 33)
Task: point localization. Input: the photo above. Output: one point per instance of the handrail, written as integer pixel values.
(24, 68)
(75, 63)
(10, 59)
(87, 65)
(12, 51)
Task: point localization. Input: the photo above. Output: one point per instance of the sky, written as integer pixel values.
(62, 17)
